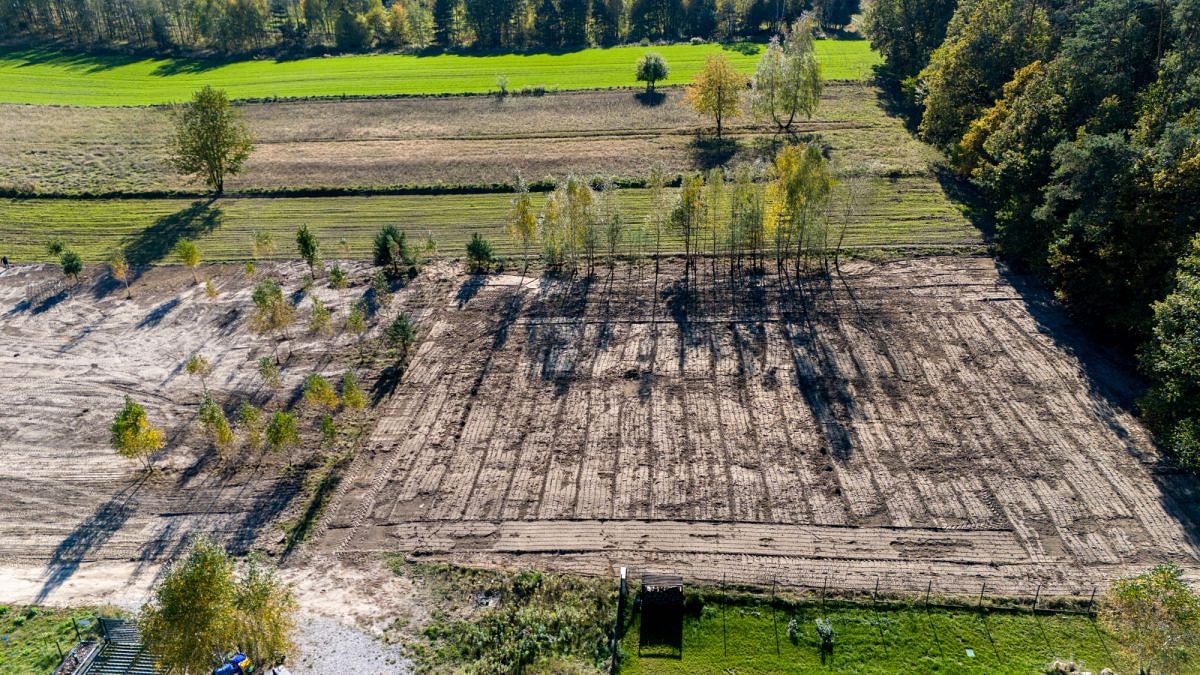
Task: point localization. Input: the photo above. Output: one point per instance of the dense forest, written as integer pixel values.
(237, 26)
(1079, 122)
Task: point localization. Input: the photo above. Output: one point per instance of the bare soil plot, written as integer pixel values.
(430, 141)
(65, 364)
(932, 418)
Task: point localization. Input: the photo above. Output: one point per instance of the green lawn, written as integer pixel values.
(899, 640)
(905, 212)
(28, 636)
(55, 77)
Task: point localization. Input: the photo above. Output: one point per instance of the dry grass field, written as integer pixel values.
(431, 141)
(931, 419)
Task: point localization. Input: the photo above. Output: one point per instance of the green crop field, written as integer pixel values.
(905, 212)
(742, 639)
(54, 77)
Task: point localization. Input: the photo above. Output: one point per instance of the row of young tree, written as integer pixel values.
(1079, 121)
(290, 26)
(786, 214)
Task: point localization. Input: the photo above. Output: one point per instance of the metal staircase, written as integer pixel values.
(122, 652)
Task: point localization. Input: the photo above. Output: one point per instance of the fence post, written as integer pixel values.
(824, 587)
(927, 590)
(1037, 598)
(774, 622)
(616, 638)
(1092, 602)
(979, 606)
(724, 625)
(875, 593)
(78, 638)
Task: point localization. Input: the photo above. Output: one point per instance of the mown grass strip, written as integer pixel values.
(742, 638)
(904, 212)
(63, 78)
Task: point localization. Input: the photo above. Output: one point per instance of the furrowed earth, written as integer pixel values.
(926, 419)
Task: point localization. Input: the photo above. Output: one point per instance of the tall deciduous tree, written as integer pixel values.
(688, 216)
(131, 434)
(1156, 618)
(799, 195)
(444, 27)
(787, 81)
(201, 609)
(1172, 360)
(522, 220)
(210, 141)
(547, 23)
(906, 32)
(574, 15)
(986, 43)
(717, 90)
(652, 68)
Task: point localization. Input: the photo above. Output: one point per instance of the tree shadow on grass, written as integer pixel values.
(89, 63)
(87, 538)
(651, 99)
(710, 152)
(155, 242)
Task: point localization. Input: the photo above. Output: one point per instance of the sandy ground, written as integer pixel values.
(924, 420)
(83, 526)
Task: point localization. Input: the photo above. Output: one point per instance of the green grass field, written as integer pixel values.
(30, 634)
(905, 212)
(742, 639)
(54, 77)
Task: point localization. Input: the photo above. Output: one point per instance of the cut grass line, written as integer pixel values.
(907, 212)
(887, 640)
(63, 78)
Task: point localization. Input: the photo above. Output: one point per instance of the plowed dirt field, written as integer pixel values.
(925, 420)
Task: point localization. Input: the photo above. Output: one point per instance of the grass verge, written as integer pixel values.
(62, 78)
(911, 212)
(741, 636)
(29, 635)
(512, 622)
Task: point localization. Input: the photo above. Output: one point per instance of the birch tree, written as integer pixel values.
(787, 81)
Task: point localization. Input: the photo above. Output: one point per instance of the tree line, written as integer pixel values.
(786, 215)
(290, 26)
(1079, 123)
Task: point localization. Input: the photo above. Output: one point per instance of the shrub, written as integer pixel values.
(479, 253)
(381, 289)
(319, 323)
(268, 370)
(337, 277)
(391, 249)
(352, 394)
(319, 393)
(825, 631)
(282, 431)
(401, 334)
